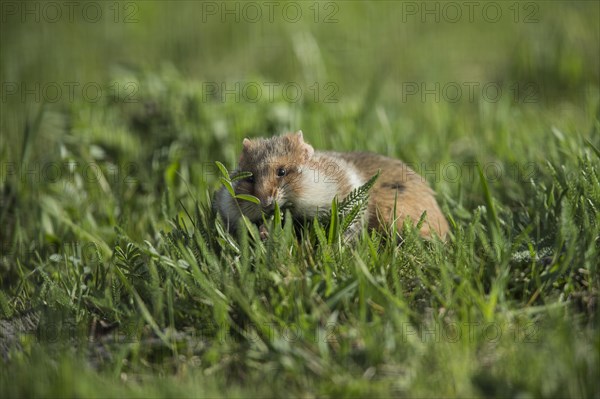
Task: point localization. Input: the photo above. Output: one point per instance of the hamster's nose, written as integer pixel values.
(268, 204)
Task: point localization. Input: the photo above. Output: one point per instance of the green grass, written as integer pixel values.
(117, 280)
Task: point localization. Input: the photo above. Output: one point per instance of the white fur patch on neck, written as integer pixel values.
(321, 184)
(355, 180)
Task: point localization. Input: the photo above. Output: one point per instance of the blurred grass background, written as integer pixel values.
(362, 57)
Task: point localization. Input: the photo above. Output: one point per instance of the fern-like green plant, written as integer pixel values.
(345, 217)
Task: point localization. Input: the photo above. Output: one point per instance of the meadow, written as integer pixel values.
(117, 279)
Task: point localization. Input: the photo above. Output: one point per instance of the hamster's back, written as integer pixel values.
(398, 187)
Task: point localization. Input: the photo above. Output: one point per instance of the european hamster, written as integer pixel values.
(287, 170)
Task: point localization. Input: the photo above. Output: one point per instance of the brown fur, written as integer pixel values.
(400, 186)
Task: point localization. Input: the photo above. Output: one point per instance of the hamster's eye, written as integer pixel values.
(250, 179)
(281, 172)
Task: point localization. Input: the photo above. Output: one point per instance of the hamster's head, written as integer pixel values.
(276, 165)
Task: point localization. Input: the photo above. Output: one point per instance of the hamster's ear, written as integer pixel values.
(308, 150)
(246, 143)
